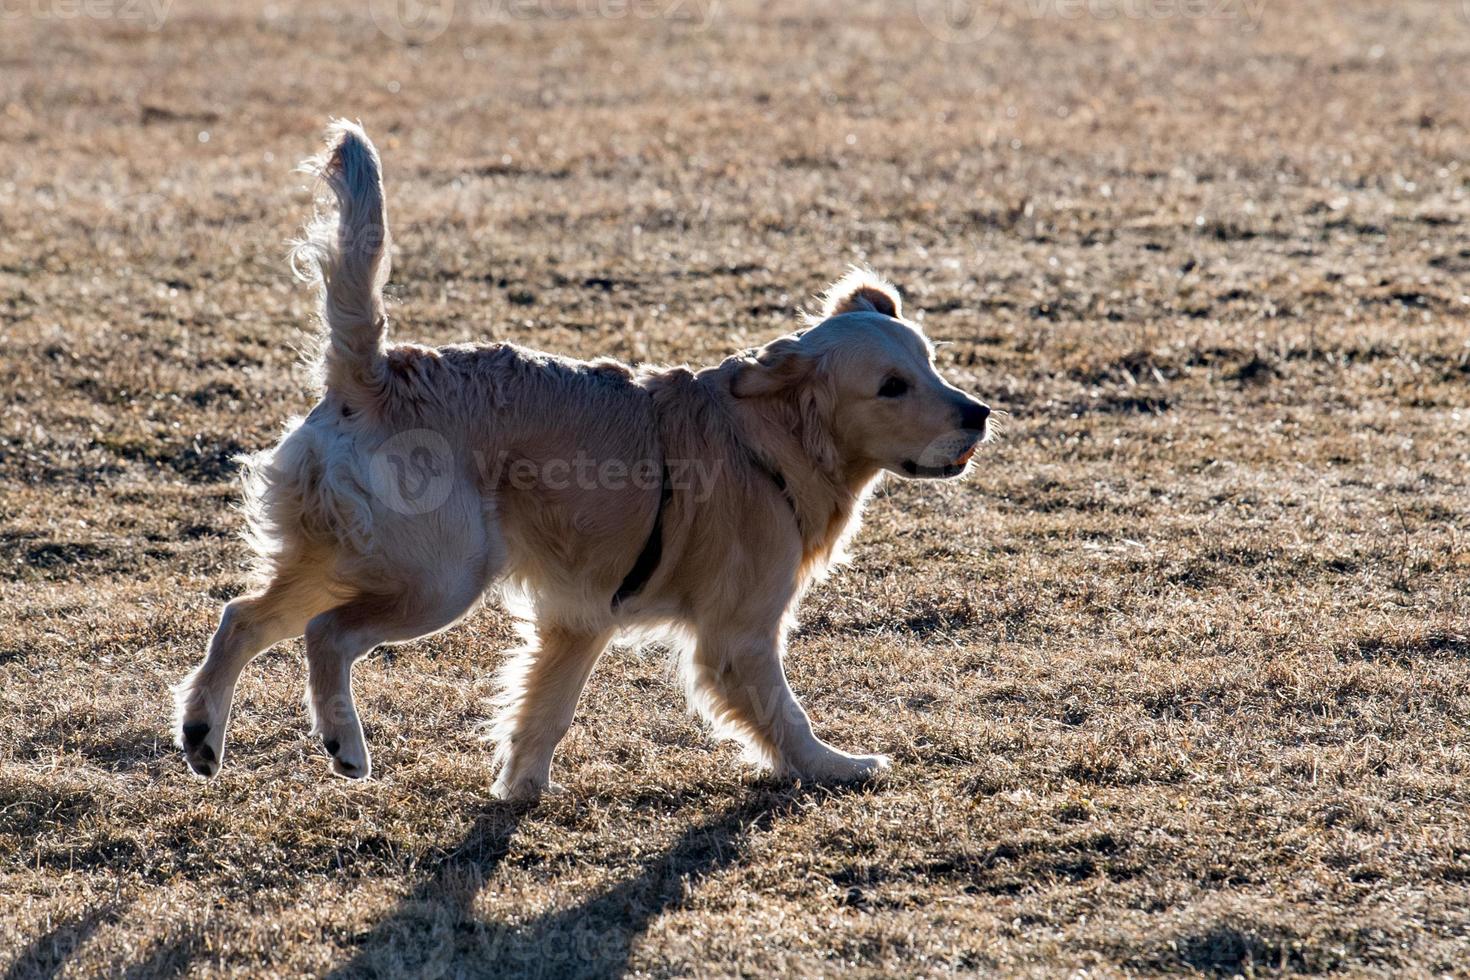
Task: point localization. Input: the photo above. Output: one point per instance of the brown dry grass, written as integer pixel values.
(1177, 681)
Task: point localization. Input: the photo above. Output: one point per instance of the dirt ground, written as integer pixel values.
(1175, 681)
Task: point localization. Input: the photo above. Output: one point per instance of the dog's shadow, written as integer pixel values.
(435, 929)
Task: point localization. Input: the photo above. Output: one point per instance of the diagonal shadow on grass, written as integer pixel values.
(434, 932)
(48, 953)
(171, 956)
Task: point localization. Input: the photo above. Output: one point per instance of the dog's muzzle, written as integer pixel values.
(950, 454)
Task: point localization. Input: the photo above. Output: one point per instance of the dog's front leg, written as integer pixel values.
(541, 686)
(735, 679)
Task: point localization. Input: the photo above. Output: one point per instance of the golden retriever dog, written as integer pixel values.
(695, 506)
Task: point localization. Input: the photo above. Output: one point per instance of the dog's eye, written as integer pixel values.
(893, 388)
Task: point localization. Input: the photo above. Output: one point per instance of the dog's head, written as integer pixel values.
(862, 383)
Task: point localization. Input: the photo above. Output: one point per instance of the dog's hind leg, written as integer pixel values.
(338, 638)
(735, 679)
(248, 627)
(541, 684)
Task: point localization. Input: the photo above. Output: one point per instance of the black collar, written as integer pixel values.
(653, 550)
(774, 475)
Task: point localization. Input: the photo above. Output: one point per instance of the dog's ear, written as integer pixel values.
(861, 291)
(779, 366)
(801, 395)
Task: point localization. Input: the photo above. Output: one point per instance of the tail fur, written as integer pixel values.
(346, 254)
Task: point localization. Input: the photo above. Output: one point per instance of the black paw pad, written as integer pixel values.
(332, 745)
(194, 733)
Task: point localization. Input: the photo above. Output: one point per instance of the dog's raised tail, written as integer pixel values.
(346, 254)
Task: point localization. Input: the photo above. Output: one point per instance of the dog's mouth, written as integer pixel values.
(943, 470)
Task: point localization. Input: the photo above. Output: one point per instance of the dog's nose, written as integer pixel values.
(973, 416)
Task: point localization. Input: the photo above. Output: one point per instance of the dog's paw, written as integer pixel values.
(350, 756)
(349, 768)
(869, 766)
(203, 745)
(525, 789)
(201, 727)
(839, 767)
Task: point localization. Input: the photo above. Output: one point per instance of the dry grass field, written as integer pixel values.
(1177, 681)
